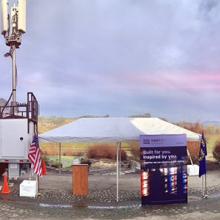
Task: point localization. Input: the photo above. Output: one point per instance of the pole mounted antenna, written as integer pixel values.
(13, 26)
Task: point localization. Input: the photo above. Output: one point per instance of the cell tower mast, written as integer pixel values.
(13, 26)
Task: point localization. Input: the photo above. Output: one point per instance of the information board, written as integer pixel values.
(163, 169)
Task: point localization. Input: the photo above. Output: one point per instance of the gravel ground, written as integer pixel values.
(57, 202)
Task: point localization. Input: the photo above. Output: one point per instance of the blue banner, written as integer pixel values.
(163, 169)
(202, 156)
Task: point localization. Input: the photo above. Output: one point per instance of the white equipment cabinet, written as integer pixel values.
(15, 139)
(28, 188)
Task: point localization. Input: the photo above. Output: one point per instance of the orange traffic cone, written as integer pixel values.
(44, 168)
(5, 188)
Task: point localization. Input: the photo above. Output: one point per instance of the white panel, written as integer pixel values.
(22, 15)
(28, 188)
(193, 170)
(4, 16)
(11, 145)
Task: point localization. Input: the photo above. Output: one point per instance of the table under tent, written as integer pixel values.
(117, 130)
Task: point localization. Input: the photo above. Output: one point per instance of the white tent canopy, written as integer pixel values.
(114, 129)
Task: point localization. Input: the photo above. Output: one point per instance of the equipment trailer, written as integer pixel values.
(18, 124)
(18, 121)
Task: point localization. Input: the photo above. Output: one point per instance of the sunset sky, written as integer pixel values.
(120, 57)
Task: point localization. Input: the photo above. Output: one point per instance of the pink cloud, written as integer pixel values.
(190, 81)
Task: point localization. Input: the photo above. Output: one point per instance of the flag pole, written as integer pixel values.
(38, 185)
(202, 186)
(206, 191)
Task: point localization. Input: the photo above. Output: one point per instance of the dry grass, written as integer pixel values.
(52, 149)
(195, 127)
(104, 151)
(48, 123)
(135, 151)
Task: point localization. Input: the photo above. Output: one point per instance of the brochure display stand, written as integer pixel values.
(163, 169)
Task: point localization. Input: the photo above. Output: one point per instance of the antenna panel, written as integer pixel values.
(22, 4)
(4, 16)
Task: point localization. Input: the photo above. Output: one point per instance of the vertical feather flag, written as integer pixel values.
(202, 156)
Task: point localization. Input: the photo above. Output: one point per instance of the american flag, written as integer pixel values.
(34, 156)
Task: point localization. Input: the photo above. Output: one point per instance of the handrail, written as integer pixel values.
(27, 110)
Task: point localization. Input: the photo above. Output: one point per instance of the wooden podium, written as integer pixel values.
(80, 179)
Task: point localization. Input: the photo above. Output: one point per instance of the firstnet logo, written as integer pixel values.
(146, 141)
(153, 141)
(157, 141)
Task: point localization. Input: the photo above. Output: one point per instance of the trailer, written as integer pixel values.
(18, 124)
(18, 121)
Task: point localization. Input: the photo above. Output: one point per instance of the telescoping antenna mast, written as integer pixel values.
(13, 26)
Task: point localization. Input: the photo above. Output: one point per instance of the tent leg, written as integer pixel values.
(117, 171)
(59, 158)
(120, 158)
(189, 155)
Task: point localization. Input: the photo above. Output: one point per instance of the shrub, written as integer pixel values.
(216, 151)
(105, 151)
(86, 161)
(55, 163)
(193, 149)
(195, 127)
(78, 154)
(123, 155)
(135, 151)
(46, 159)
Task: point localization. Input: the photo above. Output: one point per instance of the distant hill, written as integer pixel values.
(211, 123)
(48, 123)
(144, 115)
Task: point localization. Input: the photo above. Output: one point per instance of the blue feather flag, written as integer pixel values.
(202, 156)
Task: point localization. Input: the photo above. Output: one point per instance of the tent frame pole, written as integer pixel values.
(120, 159)
(117, 171)
(189, 155)
(59, 157)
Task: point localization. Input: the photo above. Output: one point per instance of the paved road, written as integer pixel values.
(60, 204)
(203, 209)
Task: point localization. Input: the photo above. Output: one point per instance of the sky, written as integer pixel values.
(121, 58)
